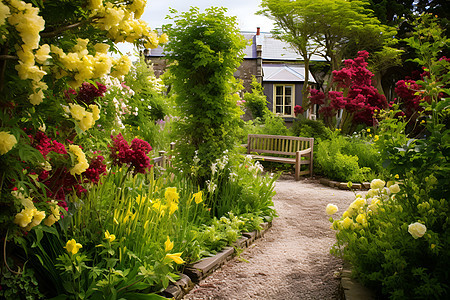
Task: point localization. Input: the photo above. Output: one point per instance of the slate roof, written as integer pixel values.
(285, 73)
(272, 49)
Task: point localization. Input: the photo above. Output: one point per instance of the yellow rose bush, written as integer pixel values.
(387, 234)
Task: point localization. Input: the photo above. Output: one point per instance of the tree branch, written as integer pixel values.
(5, 57)
(61, 29)
(56, 32)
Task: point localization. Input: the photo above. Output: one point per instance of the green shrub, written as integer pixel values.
(271, 124)
(310, 128)
(333, 164)
(207, 48)
(345, 159)
(256, 101)
(376, 235)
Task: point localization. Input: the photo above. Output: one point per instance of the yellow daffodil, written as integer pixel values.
(176, 257)
(73, 247)
(198, 197)
(168, 245)
(109, 237)
(173, 208)
(171, 195)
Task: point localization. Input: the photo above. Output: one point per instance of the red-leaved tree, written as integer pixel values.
(354, 94)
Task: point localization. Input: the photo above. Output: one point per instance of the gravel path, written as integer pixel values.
(292, 260)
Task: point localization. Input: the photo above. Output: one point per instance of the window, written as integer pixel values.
(284, 100)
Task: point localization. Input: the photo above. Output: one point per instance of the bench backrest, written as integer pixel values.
(278, 144)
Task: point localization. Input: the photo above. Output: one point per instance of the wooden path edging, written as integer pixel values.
(343, 185)
(197, 271)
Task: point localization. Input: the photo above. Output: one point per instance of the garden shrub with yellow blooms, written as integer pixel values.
(396, 238)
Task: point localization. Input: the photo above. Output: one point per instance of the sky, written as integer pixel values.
(244, 10)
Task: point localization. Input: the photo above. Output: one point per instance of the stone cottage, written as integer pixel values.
(275, 65)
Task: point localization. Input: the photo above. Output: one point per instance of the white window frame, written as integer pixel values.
(274, 108)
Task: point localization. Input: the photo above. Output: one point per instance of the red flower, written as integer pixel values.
(316, 97)
(135, 156)
(96, 168)
(298, 110)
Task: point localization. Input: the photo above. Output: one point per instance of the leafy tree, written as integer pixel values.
(326, 27)
(391, 12)
(205, 50)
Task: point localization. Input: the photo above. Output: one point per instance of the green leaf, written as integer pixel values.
(137, 296)
(443, 104)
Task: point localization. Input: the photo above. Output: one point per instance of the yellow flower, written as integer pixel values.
(171, 195)
(377, 184)
(121, 66)
(87, 121)
(331, 209)
(368, 129)
(347, 223)
(42, 54)
(7, 142)
(168, 245)
(101, 48)
(73, 247)
(176, 257)
(95, 4)
(376, 138)
(37, 218)
(82, 164)
(374, 204)
(417, 230)
(394, 188)
(198, 197)
(163, 38)
(50, 220)
(396, 176)
(24, 217)
(361, 218)
(95, 111)
(109, 237)
(77, 111)
(4, 13)
(173, 208)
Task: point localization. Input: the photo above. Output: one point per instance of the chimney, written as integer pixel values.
(258, 31)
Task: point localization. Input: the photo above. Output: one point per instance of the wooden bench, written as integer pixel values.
(298, 147)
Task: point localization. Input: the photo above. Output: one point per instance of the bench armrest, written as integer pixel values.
(304, 151)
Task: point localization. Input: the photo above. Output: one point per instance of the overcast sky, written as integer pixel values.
(244, 10)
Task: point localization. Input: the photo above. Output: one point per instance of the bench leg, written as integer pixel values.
(298, 158)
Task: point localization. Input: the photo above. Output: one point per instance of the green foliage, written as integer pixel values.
(384, 255)
(272, 124)
(206, 48)
(310, 128)
(345, 159)
(256, 101)
(385, 251)
(19, 286)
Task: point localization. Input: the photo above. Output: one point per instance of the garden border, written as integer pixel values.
(193, 273)
(343, 185)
